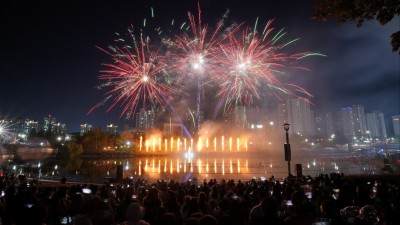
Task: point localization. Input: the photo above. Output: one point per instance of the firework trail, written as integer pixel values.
(250, 62)
(138, 76)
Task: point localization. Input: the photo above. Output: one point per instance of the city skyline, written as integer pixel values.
(52, 63)
(351, 122)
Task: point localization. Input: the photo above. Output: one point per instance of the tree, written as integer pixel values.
(96, 140)
(358, 11)
(92, 140)
(74, 152)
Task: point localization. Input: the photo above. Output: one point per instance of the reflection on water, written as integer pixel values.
(230, 166)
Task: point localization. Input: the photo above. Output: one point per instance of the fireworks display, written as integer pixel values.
(249, 62)
(136, 77)
(238, 61)
(5, 132)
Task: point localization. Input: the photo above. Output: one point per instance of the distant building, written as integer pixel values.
(112, 129)
(324, 125)
(346, 122)
(145, 119)
(59, 128)
(396, 125)
(300, 117)
(85, 128)
(360, 124)
(376, 128)
(353, 123)
(48, 122)
(30, 125)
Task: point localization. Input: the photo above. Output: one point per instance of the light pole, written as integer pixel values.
(287, 147)
(55, 169)
(40, 170)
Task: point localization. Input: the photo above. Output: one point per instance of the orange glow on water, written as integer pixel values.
(140, 143)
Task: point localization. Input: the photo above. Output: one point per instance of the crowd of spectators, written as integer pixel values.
(326, 199)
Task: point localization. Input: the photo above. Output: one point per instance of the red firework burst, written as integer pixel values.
(138, 77)
(251, 62)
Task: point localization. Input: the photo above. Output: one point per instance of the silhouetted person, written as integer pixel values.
(63, 179)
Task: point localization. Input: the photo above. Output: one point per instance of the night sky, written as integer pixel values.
(50, 63)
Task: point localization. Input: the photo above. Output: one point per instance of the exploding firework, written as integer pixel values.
(5, 132)
(194, 51)
(252, 61)
(138, 76)
(239, 61)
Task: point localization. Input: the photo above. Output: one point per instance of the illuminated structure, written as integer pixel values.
(297, 112)
(48, 123)
(360, 124)
(346, 121)
(59, 128)
(376, 125)
(30, 125)
(112, 129)
(353, 123)
(85, 128)
(145, 119)
(288, 154)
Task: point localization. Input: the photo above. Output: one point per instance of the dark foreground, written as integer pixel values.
(325, 199)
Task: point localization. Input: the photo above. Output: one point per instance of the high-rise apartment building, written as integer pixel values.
(300, 117)
(352, 122)
(329, 125)
(376, 128)
(48, 122)
(346, 122)
(85, 128)
(324, 125)
(112, 129)
(145, 119)
(396, 125)
(360, 124)
(30, 125)
(59, 128)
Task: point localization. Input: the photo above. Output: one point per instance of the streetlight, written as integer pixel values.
(128, 143)
(55, 169)
(40, 170)
(287, 147)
